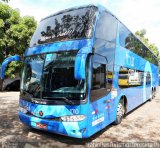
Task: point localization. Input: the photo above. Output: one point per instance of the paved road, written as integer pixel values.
(141, 125)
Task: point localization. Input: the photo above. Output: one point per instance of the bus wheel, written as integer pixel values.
(120, 113)
(153, 95)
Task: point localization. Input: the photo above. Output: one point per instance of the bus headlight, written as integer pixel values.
(23, 110)
(73, 118)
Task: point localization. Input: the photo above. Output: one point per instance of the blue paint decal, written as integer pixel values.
(72, 129)
(59, 46)
(147, 91)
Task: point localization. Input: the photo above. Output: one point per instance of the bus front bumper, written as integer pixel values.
(71, 129)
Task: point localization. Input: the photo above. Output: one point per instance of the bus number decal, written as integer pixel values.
(98, 119)
(74, 111)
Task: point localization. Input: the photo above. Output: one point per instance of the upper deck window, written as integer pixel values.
(71, 24)
(130, 42)
(107, 28)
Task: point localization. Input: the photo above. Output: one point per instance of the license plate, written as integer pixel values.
(42, 126)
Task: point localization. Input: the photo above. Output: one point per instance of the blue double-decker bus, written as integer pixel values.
(83, 71)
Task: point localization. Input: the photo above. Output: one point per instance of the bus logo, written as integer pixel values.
(41, 113)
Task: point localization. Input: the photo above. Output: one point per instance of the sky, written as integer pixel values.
(135, 14)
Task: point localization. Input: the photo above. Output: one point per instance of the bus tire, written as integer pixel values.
(120, 112)
(153, 95)
(154, 92)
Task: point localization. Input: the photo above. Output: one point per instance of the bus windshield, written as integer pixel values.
(51, 76)
(71, 24)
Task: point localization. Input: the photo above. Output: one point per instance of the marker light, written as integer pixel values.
(73, 118)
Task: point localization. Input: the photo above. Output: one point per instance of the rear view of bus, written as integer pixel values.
(54, 88)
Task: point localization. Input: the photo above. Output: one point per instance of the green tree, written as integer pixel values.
(142, 35)
(15, 34)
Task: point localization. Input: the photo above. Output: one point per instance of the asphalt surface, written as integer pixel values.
(141, 125)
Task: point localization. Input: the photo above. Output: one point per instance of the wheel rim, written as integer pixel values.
(120, 110)
(152, 95)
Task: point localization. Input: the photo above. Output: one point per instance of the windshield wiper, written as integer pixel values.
(67, 100)
(63, 98)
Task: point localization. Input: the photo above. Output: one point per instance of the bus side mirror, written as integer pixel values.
(6, 62)
(80, 67)
(80, 63)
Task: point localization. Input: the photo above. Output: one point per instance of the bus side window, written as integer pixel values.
(98, 77)
(105, 43)
(130, 77)
(98, 81)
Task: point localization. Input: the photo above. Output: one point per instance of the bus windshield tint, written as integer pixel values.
(51, 77)
(32, 74)
(71, 24)
(59, 78)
